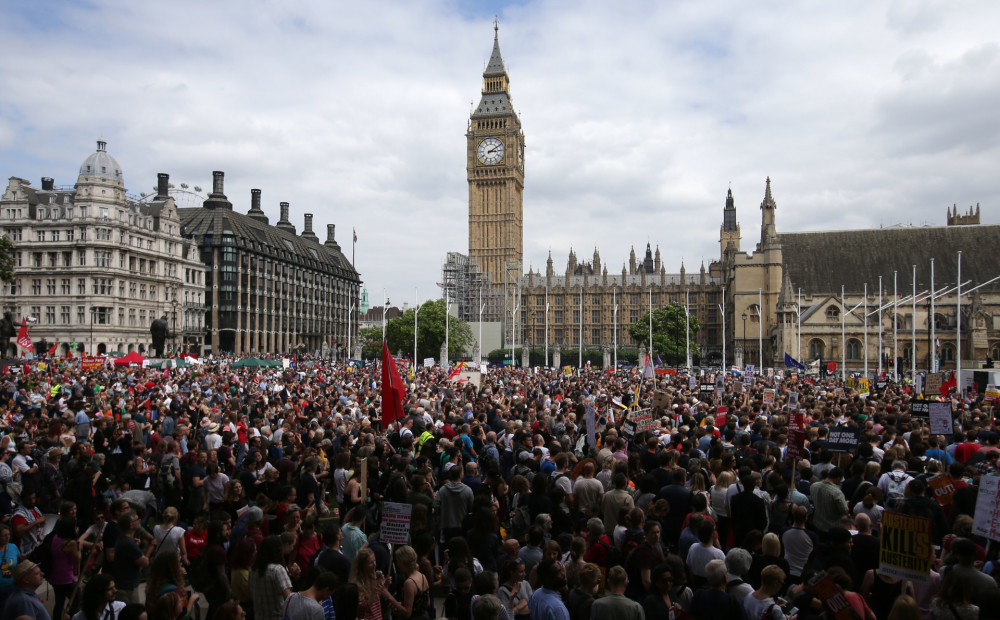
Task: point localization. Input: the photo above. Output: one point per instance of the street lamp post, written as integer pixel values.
(173, 331)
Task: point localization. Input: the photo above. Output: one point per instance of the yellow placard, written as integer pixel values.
(905, 551)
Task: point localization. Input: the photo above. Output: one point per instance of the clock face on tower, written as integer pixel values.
(490, 151)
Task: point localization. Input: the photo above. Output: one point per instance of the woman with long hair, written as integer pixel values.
(269, 582)
(415, 591)
(954, 601)
(168, 536)
(717, 494)
(514, 590)
(234, 498)
(352, 492)
(368, 583)
(98, 599)
(65, 563)
(166, 576)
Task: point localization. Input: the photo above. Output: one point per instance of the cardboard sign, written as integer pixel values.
(932, 383)
(750, 369)
(748, 378)
(643, 419)
(986, 521)
(428, 362)
(768, 396)
(475, 378)
(395, 528)
(905, 546)
(843, 439)
(838, 392)
(944, 489)
(628, 429)
(91, 363)
(706, 390)
(661, 399)
(832, 596)
(692, 382)
(849, 383)
(941, 419)
(738, 388)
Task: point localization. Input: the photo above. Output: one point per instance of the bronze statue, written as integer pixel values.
(160, 331)
(7, 331)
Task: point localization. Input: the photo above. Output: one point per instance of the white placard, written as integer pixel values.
(986, 522)
(428, 362)
(395, 528)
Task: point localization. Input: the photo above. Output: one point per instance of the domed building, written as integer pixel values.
(95, 266)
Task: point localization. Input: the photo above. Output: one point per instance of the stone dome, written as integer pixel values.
(100, 164)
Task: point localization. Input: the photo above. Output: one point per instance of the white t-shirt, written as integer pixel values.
(758, 610)
(114, 607)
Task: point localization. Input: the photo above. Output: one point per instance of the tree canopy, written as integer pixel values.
(430, 321)
(668, 333)
(6, 259)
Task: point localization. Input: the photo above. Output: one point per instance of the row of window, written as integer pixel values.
(99, 286)
(623, 299)
(61, 315)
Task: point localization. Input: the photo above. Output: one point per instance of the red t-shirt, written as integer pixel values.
(964, 451)
(598, 554)
(195, 542)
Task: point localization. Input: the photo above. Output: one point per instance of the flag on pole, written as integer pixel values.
(659, 362)
(355, 231)
(791, 362)
(23, 340)
(52, 351)
(948, 385)
(647, 370)
(393, 389)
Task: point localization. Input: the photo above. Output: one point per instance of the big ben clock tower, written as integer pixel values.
(495, 165)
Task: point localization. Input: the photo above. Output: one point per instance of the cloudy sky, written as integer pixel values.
(638, 115)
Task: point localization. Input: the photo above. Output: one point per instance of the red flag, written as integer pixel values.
(23, 340)
(832, 367)
(393, 389)
(947, 385)
(52, 351)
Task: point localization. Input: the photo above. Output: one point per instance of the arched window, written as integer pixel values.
(907, 353)
(995, 353)
(947, 353)
(815, 349)
(853, 349)
(833, 313)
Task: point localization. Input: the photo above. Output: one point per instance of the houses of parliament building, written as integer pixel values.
(796, 293)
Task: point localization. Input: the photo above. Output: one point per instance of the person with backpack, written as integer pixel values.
(893, 483)
(640, 561)
(27, 523)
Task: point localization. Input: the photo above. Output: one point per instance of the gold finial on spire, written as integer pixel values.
(496, 26)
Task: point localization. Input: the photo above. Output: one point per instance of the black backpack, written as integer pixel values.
(42, 555)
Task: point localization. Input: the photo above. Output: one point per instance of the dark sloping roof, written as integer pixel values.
(266, 240)
(820, 262)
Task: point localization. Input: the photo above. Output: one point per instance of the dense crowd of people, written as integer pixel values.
(160, 494)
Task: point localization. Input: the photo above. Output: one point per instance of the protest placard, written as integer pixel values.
(832, 596)
(395, 528)
(864, 387)
(769, 396)
(905, 546)
(91, 363)
(850, 383)
(591, 414)
(941, 419)
(932, 383)
(796, 436)
(992, 394)
(720, 416)
(628, 429)
(944, 489)
(843, 439)
(692, 382)
(986, 521)
(738, 388)
(428, 362)
(793, 400)
(643, 419)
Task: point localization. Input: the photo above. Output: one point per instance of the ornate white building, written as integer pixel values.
(95, 265)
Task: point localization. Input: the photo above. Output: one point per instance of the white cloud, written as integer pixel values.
(637, 115)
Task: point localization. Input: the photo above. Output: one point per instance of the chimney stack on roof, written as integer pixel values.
(217, 199)
(307, 229)
(283, 223)
(255, 211)
(162, 186)
(331, 241)
(48, 184)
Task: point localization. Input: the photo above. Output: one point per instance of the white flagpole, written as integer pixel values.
(416, 311)
(385, 306)
(723, 312)
(650, 325)
(933, 352)
(546, 325)
(895, 321)
(447, 326)
(843, 335)
(614, 302)
(880, 326)
(866, 329)
(481, 308)
(350, 315)
(760, 328)
(958, 328)
(579, 363)
(798, 315)
(913, 330)
(687, 329)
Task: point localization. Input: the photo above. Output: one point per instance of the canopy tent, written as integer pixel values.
(253, 362)
(131, 358)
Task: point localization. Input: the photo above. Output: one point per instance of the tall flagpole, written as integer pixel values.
(880, 326)
(760, 328)
(447, 327)
(650, 325)
(481, 308)
(913, 331)
(579, 363)
(865, 311)
(385, 307)
(687, 328)
(933, 347)
(416, 311)
(350, 315)
(614, 302)
(799, 316)
(843, 335)
(546, 325)
(895, 325)
(958, 329)
(723, 312)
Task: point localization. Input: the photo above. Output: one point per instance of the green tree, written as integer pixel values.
(371, 342)
(6, 259)
(668, 333)
(430, 332)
